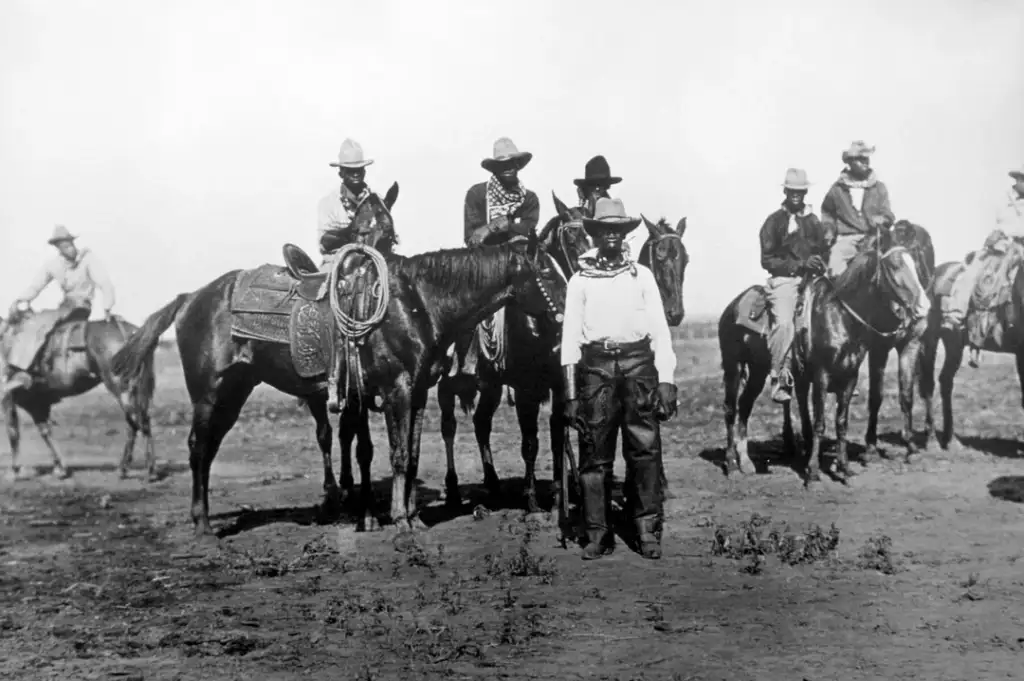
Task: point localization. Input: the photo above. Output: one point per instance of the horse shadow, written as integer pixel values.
(773, 453)
(136, 470)
(996, 446)
(432, 509)
(1008, 488)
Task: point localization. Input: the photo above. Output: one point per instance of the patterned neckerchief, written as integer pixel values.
(350, 202)
(594, 265)
(501, 201)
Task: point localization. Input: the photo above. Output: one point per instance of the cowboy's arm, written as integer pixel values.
(572, 333)
(824, 235)
(42, 278)
(830, 211)
(525, 219)
(661, 336)
(771, 260)
(98, 275)
(884, 218)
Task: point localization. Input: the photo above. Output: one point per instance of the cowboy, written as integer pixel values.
(618, 373)
(794, 244)
(856, 205)
(336, 211)
(1002, 241)
(497, 211)
(596, 181)
(79, 274)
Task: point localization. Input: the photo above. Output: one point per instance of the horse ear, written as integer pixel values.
(651, 227)
(391, 196)
(681, 227)
(560, 207)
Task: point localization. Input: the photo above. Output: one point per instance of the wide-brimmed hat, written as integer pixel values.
(351, 156)
(505, 152)
(61, 233)
(610, 214)
(597, 172)
(796, 178)
(858, 149)
(1017, 173)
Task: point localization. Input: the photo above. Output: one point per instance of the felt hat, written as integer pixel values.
(596, 172)
(796, 178)
(505, 152)
(1017, 173)
(610, 214)
(858, 149)
(61, 233)
(351, 156)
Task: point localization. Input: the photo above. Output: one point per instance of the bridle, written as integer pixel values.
(905, 312)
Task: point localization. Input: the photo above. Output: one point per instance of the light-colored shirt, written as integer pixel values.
(620, 309)
(332, 213)
(78, 280)
(857, 198)
(1010, 216)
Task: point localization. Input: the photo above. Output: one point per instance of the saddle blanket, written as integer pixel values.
(752, 309)
(22, 344)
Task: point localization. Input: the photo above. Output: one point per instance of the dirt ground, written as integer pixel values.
(920, 578)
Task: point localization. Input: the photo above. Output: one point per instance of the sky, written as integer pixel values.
(182, 140)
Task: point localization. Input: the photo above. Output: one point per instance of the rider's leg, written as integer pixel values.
(782, 296)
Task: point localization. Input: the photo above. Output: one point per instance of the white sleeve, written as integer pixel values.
(572, 322)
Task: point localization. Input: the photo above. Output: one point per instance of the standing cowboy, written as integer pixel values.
(79, 274)
(618, 364)
(336, 210)
(496, 211)
(1002, 241)
(793, 244)
(856, 205)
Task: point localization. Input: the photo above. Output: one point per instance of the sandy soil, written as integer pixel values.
(100, 578)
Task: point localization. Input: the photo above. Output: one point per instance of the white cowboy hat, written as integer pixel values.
(610, 214)
(505, 151)
(858, 149)
(61, 233)
(796, 178)
(351, 156)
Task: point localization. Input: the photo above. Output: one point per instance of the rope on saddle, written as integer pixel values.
(354, 331)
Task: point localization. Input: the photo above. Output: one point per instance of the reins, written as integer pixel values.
(880, 271)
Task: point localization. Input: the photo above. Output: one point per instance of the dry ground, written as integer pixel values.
(100, 578)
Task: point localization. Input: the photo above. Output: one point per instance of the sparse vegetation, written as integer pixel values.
(876, 554)
(756, 538)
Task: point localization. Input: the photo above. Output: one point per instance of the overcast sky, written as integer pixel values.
(184, 139)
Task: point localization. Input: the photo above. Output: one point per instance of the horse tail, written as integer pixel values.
(137, 353)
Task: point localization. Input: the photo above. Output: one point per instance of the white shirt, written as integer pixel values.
(857, 198)
(620, 309)
(1010, 217)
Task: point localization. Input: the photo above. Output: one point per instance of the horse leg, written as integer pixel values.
(483, 418)
(878, 356)
(364, 457)
(42, 421)
(412, 481)
(13, 436)
(732, 380)
(802, 389)
(214, 415)
(843, 398)
(527, 412)
(556, 424)
(332, 494)
(132, 431)
(908, 358)
(348, 430)
(754, 384)
(398, 415)
(819, 390)
(788, 440)
(449, 427)
(953, 342)
(926, 378)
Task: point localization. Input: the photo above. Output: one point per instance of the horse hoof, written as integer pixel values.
(954, 445)
(333, 407)
(13, 475)
(417, 525)
(206, 538)
(932, 444)
(61, 473)
(122, 474)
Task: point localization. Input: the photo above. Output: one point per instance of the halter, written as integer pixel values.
(389, 234)
(652, 240)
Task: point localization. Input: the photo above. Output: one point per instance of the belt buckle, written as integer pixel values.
(610, 347)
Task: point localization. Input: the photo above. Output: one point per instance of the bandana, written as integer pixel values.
(501, 201)
(593, 265)
(350, 202)
(869, 181)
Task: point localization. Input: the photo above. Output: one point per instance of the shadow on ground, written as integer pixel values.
(1008, 488)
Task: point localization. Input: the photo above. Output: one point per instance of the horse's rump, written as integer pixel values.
(751, 310)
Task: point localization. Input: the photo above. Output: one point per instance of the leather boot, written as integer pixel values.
(596, 513)
(649, 538)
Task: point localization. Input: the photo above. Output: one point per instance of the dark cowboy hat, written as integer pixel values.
(505, 152)
(610, 214)
(596, 172)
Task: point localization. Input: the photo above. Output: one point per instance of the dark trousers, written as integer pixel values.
(618, 392)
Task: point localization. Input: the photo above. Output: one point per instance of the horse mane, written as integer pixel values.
(470, 268)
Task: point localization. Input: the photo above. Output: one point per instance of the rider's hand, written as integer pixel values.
(815, 264)
(667, 399)
(572, 413)
(479, 235)
(878, 221)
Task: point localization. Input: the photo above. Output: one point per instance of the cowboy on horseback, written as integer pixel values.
(618, 375)
(596, 181)
(78, 273)
(1002, 242)
(497, 211)
(855, 206)
(336, 211)
(794, 245)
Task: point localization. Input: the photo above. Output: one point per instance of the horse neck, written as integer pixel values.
(862, 297)
(461, 287)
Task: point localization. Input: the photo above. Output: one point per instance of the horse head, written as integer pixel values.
(564, 237)
(666, 256)
(883, 267)
(918, 241)
(539, 288)
(373, 225)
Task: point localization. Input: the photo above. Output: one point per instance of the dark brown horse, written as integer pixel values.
(432, 296)
(845, 320)
(73, 370)
(953, 343)
(530, 365)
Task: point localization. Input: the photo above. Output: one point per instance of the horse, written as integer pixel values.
(531, 365)
(954, 343)
(908, 343)
(77, 357)
(843, 318)
(432, 296)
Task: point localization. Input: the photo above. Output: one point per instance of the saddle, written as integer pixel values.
(289, 305)
(43, 337)
(752, 308)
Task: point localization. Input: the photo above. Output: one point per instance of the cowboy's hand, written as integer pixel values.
(572, 413)
(479, 235)
(666, 401)
(498, 224)
(815, 264)
(878, 221)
